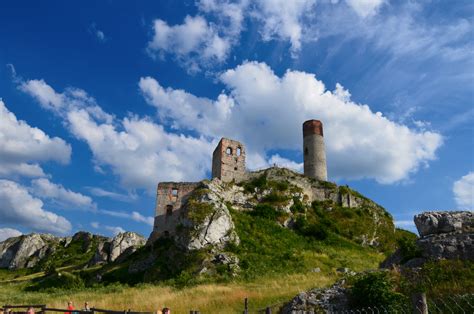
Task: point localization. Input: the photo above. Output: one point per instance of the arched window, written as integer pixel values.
(174, 192)
(169, 210)
(166, 233)
(228, 151)
(306, 150)
(239, 151)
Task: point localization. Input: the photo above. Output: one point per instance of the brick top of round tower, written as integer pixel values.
(312, 127)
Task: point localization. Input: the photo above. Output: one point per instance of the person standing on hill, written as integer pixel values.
(70, 307)
(166, 311)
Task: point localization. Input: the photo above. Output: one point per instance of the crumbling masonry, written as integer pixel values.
(228, 164)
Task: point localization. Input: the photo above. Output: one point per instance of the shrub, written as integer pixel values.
(297, 206)
(375, 289)
(274, 197)
(259, 183)
(315, 230)
(408, 249)
(265, 211)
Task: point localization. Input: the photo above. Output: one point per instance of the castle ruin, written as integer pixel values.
(228, 165)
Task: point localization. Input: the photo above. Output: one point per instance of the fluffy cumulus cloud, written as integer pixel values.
(198, 42)
(463, 190)
(45, 189)
(136, 149)
(19, 207)
(194, 38)
(266, 111)
(23, 147)
(6, 233)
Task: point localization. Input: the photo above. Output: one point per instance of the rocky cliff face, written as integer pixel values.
(206, 220)
(28, 251)
(443, 235)
(447, 235)
(117, 248)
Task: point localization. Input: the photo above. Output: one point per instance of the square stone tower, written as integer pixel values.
(228, 160)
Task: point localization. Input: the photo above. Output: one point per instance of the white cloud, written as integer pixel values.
(98, 34)
(135, 216)
(365, 8)
(6, 233)
(112, 229)
(194, 38)
(136, 149)
(463, 190)
(96, 191)
(45, 189)
(283, 20)
(18, 207)
(22, 147)
(266, 112)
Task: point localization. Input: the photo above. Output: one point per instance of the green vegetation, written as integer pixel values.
(375, 289)
(437, 279)
(408, 248)
(440, 278)
(77, 253)
(266, 248)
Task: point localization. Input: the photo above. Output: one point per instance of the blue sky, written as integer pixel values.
(102, 100)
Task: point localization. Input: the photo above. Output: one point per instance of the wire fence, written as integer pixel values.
(455, 304)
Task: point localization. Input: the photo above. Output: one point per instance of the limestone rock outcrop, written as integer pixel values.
(446, 234)
(26, 251)
(125, 244)
(332, 299)
(430, 223)
(117, 248)
(443, 235)
(206, 221)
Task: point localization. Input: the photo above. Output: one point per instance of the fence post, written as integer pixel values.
(418, 301)
(246, 306)
(268, 310)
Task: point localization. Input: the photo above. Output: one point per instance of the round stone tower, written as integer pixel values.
(313, 150)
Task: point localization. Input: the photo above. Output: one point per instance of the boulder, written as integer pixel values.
(429, 223)
(332, 299)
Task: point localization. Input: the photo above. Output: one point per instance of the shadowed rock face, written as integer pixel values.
(430, 223)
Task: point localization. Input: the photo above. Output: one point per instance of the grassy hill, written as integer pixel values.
(288, 243)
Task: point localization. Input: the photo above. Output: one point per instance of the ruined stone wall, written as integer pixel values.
(170, 196)
(228, 161)
(314, 153)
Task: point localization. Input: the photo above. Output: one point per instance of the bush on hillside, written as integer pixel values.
(375, 289)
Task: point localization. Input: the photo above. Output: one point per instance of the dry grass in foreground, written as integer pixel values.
(210, 298)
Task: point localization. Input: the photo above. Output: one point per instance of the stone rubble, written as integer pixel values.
(332, 299)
